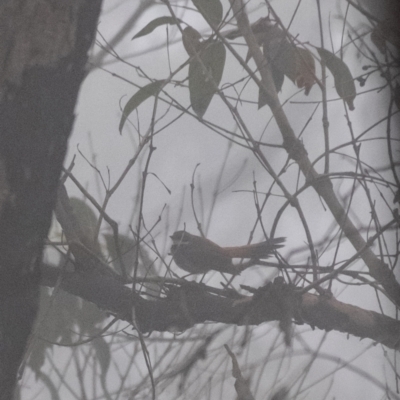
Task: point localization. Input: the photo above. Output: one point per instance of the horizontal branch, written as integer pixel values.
(189, 303)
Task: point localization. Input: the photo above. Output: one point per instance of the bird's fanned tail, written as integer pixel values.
(256, 251)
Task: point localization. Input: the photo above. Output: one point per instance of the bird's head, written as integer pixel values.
(181, 237)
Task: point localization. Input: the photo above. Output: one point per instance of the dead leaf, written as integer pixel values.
(305, 69)
(284, 57)
(344, 82)
(241, 384)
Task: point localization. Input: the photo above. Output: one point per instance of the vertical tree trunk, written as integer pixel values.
(43, 51)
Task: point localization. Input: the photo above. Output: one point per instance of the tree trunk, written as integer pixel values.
(43, 52)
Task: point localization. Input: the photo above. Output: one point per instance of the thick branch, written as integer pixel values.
(188, 303)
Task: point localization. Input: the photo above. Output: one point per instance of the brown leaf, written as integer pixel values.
(284, 57)
(287, 59)
(305, 69)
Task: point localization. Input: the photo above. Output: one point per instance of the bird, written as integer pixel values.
(199, 255)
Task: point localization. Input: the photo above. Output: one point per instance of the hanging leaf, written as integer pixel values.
(305, 69)
(88, 317)
(155, 24)
(241, 384)
(87, 221)
(268, 35)
(284, 57)
(127, 247)
(63, 318)
(344, 82)
(210, 9)
(191, 40)
(264, 29)
(278, 77)
(261, 29)
(280, 394)
(138, 98)
(103, 355)
(204, 76)
(281, 55)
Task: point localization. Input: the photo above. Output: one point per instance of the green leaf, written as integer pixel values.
(127, 246)
(85, 215)
(102, 351)
(344, 82)
(282, 55)
(128, 250)
(61, 315)
(87, 221)
(88, 317)
(210, 9)
(155, 24)
(202, 84)
(278, 78)
(138, 98)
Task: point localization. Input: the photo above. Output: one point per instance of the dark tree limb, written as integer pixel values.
(43, 52)
(189, 303)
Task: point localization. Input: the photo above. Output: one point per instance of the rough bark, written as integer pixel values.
(43, 52)
(189, 303)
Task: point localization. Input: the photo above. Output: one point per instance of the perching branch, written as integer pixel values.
(188, 303)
